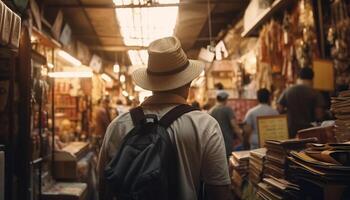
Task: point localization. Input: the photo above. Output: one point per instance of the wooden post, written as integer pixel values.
(24, 138)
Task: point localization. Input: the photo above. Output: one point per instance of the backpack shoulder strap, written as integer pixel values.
(137, 115)
(175, 113)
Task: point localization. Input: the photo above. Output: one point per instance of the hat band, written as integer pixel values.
(175, 71)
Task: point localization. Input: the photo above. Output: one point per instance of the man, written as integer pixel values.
(250, 120)
(198, 138)
(102, 117)
(102, 120)
(302, 103)
(227, 121)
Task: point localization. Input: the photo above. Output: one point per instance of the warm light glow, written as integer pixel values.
(138, 88)
(73, 74)
(138, 57)
(44, 71)
(125, 93)
(140, 26)
(106, 78)
(116, 68)
(69, 58)
(122, 78)
(50, 65)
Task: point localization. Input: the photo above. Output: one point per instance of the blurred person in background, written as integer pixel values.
(196, 105)
(227, 121)
(302, 103)
(121, 108)
(101, 120)
(251, 137)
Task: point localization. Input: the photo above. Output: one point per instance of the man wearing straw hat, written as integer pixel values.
(197, 136)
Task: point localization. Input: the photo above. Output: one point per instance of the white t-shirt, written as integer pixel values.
(251, 120)
(200, 146)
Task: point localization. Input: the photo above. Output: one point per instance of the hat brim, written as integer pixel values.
(168, 82)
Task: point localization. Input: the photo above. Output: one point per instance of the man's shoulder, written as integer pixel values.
(193, 115)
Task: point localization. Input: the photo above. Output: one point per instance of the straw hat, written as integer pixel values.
(168, 67)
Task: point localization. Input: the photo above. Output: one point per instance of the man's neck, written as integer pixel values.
(305, 82)
(221, 103)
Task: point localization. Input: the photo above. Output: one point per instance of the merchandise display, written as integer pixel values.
(321, 167)
(239, 165)
(341, 109)
(274, 188)
(67, 76)
(256, 165)
(276, 155)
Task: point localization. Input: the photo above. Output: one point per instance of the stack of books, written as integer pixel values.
(341, 109)
(256, 165)
(240, 165)
(273, 188)
(277, 152)
(322, 170)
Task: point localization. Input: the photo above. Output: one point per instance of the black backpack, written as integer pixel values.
(145, 167)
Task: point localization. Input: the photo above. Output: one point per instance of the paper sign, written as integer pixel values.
(324, 75)
(272, 128)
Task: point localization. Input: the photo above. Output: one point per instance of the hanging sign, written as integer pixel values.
(96, 63)
(272, 128)
(57, 25)
(66, 35)
(323, 70)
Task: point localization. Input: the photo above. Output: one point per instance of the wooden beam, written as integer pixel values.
(116, 48)
(113, 6)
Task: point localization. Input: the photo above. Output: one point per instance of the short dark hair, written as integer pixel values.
(263, 95)
(219, 86)
(306, 73)
(195, 104)
(221, 99)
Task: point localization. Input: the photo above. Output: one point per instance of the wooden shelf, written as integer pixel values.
(276, 7)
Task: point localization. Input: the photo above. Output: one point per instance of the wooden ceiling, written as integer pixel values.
(94, 23)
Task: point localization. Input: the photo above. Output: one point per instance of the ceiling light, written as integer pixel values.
(50, 65)
(138, 88)
(69, 58)
(138, 57)
(122, 78)
(106, 78)
(140, 26)
(125, 93)
(74, 74)
(116, 68)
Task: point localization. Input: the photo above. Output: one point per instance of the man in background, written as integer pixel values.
(251, 136)
(102, 120)
(227, 121)
(302, 103)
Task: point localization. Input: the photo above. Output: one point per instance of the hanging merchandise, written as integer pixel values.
(339, 37)
(287, 46)
(306, 46)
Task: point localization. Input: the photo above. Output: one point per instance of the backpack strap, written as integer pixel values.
(174, 114)
(137, 115)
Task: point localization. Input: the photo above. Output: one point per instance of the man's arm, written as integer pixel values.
(319, 107)
(234, 123)
(236, 128)
(215, 192)
(282, 103)
(214, 170)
